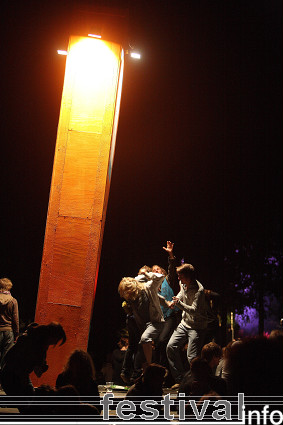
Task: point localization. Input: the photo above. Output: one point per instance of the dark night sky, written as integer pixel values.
(199, 148)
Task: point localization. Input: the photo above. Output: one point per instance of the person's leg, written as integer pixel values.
(7, 343)
(1, 347)
(150, 334)
(138, 362)
(177, 340)
(128, 361)
(169, 326)
(147, 349)
(195, 341)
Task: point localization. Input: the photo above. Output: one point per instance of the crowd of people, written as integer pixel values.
(168, 314)
(166, 311)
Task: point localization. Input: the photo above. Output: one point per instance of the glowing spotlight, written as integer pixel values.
(94, 35)
(135, 55)
(62, 52)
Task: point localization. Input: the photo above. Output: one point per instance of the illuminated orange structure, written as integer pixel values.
(79, 192)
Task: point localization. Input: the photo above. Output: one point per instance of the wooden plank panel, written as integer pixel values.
(79, 193)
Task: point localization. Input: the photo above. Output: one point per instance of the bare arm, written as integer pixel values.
(163, 301)
(155, 278)
(172, 276)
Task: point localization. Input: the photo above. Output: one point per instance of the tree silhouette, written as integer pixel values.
(254, 274)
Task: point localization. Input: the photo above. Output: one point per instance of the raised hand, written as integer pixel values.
(169, 249)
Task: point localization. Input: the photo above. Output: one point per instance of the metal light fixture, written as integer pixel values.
(62, 52)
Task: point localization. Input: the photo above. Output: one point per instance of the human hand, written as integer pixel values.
(174, 301)
(170, 304)
(169, 249)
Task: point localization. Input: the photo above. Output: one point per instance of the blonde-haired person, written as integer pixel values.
(9, 318)
(130, 289)
(142, 294)
(132, 363)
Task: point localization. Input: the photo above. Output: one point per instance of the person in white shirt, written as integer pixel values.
(192, 329)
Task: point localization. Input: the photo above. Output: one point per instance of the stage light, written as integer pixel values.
(93, 60)
(94, 35)
(62, 52)
(135, 55)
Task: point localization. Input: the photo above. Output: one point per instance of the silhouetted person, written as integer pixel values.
(276, 334)
(191, 386)
(212, 397)
(42, 402)
(79, 371)
(148, 386)
(70, 405)
(29, 355)
(256, 367)
(9, 318)
(117, 360)
(200, 380)
(223, 370)
(212, 301)
(202, 372)
(212, 353)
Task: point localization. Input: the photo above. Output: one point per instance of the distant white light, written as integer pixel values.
(94, 35)
(135, 55)
(62, 52)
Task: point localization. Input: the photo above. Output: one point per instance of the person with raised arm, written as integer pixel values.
(172, 276)
(172, 316)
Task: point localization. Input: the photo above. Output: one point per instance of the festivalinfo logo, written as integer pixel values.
(237, 410)
(244, 410)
